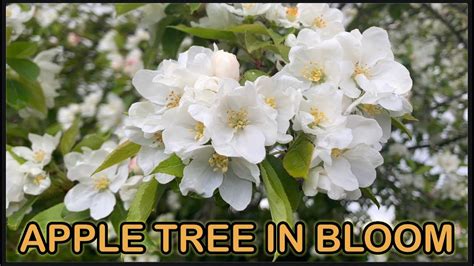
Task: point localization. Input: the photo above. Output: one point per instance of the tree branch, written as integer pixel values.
(440, 144)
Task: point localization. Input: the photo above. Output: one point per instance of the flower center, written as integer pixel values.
(270, 101)
(247, 6)
(237, 119)
(313, 73)
(172, 100)
(319, 22)
(39, 155)
(158, 137)
(198, 131)
(38, 178)
(336, 153)
(219, 163)
(318, 117)
(102, 183)
(371, 109)
(361, 70)
(291, 13)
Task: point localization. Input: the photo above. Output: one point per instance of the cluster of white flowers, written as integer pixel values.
(340, 88)
(133, 60)
(16, 17)
(452, 183)
(27, 175)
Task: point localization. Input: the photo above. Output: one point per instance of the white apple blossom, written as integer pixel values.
(16, 17)
(210, 170)
(48, 73)
(36, 181)
(281, 94)
(14, 182)
(248, 9)
(94, 191)
(370, 64)
(107, 43)
(448, 162)
(46, 15)
(284, 16)
(353, 166)
(110, 114)
(133, 62)
(319, 181)
(239, 123)
(320, 17)
(41, 148)
(218, 16)
(317, 65)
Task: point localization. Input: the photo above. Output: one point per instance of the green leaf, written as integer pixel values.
(291, 186)
(21, 49)
(298, 158)
(409, 117)
(252, 43)
(72, 217)
(422, 169)
(171, 166)
(253, 74)
(92, 141)
(15, 156)
(121, 9)
(121, 153)
(16, 218)
(49, 215)
(24, 67)
(118, 216)
(69, 137)
(177, 9)
(367, 193)
(249, 28)
(193, 7)
(205, 33)
(399, 124)
(145, 200)
(171, 43)
(280, 206)
(23, 93)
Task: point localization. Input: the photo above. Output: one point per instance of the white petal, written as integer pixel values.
(250, 144)
(79, 198)
(236, 191)
(340, 174)
(164, 178)
(200, 178)
(102, 204)
(149, 158)
(245, 170)
(81, 171)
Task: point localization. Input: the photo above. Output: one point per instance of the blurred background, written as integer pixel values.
(98, 47)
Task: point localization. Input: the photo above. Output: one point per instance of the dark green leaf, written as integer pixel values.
(398, 124)
(69, 137)
(291, 186)
(16, 218)
(24, 67)
(298, 158)
(21, 49)
(205, 33)
(121, 153)
(367, 193)
(194, 7)
(171, 43)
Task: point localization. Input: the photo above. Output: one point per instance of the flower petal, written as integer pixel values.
(102, 204)
(236, 191)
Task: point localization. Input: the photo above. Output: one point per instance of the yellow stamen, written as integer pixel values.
(102, 183)
(38, 178)
(39, 155)
(172, 100)
(361, 70)
(158, 137)
(198, 131)
(313, 73)
(319, 22)
(371, 109)
(318, 117)
(237, 119)
(219, 163)
(270, 101)
(248, 6)
(336, 153)
(291, 13)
